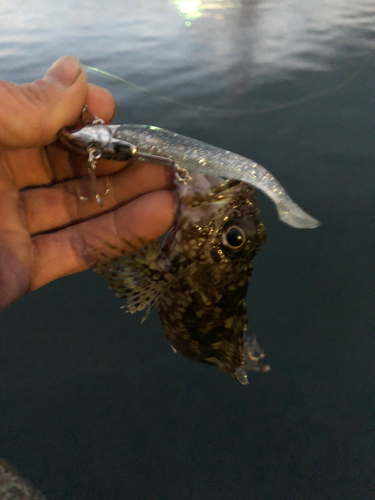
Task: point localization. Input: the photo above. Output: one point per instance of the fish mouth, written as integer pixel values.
(204, 181)
(206, 185)
(203, 195)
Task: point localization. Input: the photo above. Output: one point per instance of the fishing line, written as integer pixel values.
(146, 91)
(319, 93)
(234, 111)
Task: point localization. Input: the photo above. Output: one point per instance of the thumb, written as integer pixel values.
(33, 113)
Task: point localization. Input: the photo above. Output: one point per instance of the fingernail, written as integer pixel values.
(64, 71)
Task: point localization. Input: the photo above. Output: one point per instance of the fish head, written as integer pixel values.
(211, 250)
(218, 225)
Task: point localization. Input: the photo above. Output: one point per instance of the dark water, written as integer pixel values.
(94, 406)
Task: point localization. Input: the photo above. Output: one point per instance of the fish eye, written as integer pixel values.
(233, 238)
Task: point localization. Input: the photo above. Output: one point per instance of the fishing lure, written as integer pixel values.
(184, 154)
(197, 279)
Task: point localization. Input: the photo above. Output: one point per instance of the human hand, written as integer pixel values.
(45, 231)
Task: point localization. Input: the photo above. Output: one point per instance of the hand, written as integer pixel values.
(45, 231)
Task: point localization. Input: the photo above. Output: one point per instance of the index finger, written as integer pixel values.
(42, 166)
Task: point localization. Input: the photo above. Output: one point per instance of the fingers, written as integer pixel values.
(33, 113)
(42, 166)
(65, 164)
(47, 209)
(101, 102)
(68, 250)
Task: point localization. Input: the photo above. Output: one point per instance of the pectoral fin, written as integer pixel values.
(137, 276)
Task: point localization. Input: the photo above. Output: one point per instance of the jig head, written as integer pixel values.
(95, 139)
(98, 140)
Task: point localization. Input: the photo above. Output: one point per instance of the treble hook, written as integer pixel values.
(94, 154)
(98, 140)
(89, 118)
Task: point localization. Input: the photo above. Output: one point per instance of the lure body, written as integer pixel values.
(122, 142)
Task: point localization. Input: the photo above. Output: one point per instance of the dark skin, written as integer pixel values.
(45, 231)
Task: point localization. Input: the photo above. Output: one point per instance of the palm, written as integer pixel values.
(45, 230)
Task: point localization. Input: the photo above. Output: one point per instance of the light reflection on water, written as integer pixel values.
(264, 39)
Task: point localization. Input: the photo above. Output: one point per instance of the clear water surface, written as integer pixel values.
(94, 406)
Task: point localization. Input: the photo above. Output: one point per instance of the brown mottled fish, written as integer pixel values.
(198, 278)
(15, 487)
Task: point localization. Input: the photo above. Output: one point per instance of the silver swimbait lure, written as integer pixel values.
(123, 142)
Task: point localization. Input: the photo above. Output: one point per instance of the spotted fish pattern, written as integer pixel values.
(198, 278)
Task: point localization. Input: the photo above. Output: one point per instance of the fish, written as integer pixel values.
(198, 277)
(150, 143)
(14, 487)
